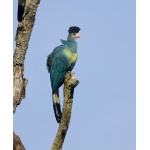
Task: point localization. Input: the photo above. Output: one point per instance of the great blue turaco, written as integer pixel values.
(59, 62)
(21, 9)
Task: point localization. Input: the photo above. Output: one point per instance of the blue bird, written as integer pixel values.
(59, 62)
(21, 9)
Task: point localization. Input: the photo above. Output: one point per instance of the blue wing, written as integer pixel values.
(57, 65)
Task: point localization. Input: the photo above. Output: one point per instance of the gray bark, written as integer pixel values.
(22, 40)
(69, 85)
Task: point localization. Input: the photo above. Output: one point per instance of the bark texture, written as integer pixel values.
(22, 40)
(69, 85)
(17, 145)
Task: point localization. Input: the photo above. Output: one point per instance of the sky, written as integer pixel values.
(103, 114)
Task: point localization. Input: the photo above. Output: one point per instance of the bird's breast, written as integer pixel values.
(72, 56)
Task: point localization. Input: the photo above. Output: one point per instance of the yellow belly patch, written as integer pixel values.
(71, 56)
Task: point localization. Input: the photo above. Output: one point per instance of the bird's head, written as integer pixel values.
(73, 33)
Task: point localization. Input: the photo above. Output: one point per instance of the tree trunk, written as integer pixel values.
(22, 40)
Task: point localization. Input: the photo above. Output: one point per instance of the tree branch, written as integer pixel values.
(69, 84)
(17, 145)
(22, 40)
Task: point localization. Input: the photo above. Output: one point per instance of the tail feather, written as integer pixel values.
(56, 106)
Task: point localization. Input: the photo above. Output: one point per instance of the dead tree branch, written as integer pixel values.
(17, 145)
(69, 85)
(22, 40)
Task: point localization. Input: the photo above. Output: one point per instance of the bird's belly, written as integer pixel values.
(72, 57)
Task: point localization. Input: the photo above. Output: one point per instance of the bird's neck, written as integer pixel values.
(70, 38)
(71, 43)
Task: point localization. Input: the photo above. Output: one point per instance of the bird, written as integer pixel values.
(21, 9)
(59, 62)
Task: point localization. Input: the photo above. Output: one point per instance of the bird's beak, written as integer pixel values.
(77, 35)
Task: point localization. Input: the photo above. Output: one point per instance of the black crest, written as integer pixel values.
(74, 29)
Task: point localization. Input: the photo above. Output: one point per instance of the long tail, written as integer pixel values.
(56, 106)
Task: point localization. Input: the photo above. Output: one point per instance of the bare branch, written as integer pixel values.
(69, 85)
(22, 40)
(17, 145)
